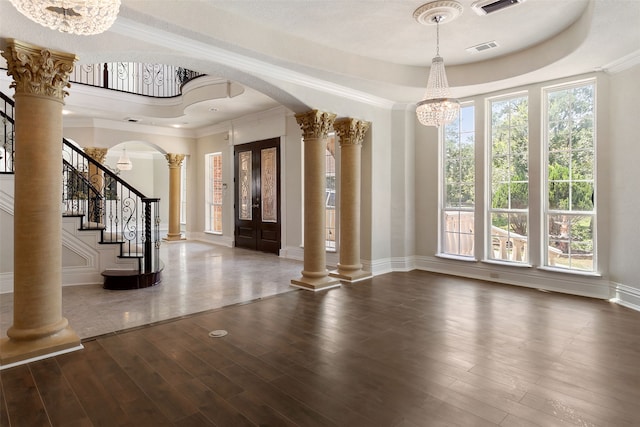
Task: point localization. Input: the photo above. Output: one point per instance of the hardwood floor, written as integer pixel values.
(402, 349)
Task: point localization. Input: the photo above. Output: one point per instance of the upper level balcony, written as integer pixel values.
(154, 80)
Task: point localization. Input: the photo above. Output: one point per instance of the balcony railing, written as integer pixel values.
(154, 80)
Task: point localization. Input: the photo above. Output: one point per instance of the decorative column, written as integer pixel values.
(96, 179)
(351, 133)
(175, 162)
(315, 129)
(40, 77)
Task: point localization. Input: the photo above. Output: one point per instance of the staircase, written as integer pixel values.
(106, 222)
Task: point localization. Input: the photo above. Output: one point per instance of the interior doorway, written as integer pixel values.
(257, 195)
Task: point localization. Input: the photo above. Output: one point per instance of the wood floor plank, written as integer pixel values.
(102, 387)
(24, 403)
(4, 415)
(63, 407)
(163, 396)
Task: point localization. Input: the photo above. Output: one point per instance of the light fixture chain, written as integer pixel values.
(437, 36)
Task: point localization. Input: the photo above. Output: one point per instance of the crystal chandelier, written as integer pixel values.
(124, 162)
(84, 17)
(437, 108)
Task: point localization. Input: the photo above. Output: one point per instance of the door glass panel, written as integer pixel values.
(245, 188)
(269, 184)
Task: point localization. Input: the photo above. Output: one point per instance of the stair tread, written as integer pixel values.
(121, 273)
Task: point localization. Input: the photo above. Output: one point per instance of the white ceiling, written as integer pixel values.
(370, 50)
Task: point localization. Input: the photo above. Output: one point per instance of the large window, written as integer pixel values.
(509, 179)
(213, 196)
(570, 213)
(458, 190)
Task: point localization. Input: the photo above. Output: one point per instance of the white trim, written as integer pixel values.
(623, 63)
(593, 287)
(625, 295)
(44, 356)
(6, 283)
(378, 267)
(292, 252)
(215, 239)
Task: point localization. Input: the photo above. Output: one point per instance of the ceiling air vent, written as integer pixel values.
(482, 47)
(485, 7)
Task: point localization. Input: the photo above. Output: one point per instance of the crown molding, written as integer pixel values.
(624, 63)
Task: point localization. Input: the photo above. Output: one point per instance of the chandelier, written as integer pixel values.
(437, 108)
(124, 162)
(83, 17)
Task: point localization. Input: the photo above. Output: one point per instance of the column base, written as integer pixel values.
(315, 283)
(174, 237)
(15, 351)
(350, 275)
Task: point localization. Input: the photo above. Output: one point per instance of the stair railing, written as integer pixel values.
(7, 120)
(107, 202)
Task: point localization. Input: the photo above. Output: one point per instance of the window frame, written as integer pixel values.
(546, 210)
(489, 210)
(210, 183)
(443, 209)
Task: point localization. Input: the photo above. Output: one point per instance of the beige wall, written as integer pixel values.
(623, 147)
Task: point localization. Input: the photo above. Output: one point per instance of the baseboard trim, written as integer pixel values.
(530, 277)
(625, 296)
(216, 239)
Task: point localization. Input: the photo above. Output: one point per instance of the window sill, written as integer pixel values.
(568, 271)
(215, 233)
(507, 263)
(457, 257)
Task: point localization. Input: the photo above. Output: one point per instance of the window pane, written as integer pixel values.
(571, 242)
(453, 195)
(581, 196)
(246, 185)
(582, 162)
(519, 195)
(558, 195)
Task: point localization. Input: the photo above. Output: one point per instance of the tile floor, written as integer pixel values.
(197, 277)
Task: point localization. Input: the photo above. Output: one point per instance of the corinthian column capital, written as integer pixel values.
(351, 131)
(96, 153)
(175, 160)
(315, 124)
(38, 71)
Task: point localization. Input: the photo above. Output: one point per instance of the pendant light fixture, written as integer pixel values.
(124, 163)
(83, 17)
(437, 108)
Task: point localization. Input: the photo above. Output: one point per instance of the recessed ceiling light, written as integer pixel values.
(66, 112)
(213, 109)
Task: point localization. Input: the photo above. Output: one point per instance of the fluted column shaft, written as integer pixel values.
(315, 128)
(40, 78)
(351, 133)
(175, 162)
